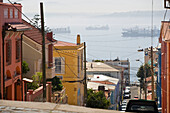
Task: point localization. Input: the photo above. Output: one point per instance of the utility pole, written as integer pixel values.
(85, 78)
(144, 69)
(43, 52)
(153, 94)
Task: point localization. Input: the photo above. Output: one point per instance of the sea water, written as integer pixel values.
(107, 44)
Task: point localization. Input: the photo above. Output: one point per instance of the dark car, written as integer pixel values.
(142, 106)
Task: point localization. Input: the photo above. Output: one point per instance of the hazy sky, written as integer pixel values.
(86, 6)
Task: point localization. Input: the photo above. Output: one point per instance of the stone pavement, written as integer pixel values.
(39, 107)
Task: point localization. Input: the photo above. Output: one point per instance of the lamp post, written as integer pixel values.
(144, 69)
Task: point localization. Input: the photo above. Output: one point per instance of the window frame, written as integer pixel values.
(60, 64)
(18, 49)
(8, 51)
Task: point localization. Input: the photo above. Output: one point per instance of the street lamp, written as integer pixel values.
(144, 69)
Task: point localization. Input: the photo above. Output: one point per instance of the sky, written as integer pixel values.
(89, 6)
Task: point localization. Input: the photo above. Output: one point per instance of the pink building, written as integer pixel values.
(11, 29)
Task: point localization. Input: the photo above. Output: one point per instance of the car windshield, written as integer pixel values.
(142, 108)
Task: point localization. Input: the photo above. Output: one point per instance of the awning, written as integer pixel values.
(16, 27)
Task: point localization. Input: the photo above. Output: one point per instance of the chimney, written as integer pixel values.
(78, 39)
(91, 65)
(50, 36)
(1, 0)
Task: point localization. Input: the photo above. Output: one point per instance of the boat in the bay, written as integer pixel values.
(61, 30)
(98, 27)
(140, 32)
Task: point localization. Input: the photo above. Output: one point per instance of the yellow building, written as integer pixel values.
(69, 67)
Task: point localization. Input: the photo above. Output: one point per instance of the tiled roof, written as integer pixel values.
(1, 3)
(17, 27)
(62, 43)
(35, 34)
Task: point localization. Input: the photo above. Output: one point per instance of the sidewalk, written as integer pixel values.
(38, 107)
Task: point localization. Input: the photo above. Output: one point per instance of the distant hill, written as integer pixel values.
(137, 14)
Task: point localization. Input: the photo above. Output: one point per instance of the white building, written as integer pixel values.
(102, 69)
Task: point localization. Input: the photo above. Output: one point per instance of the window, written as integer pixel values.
(8, 52)
(5, 13)
(18, 49)
(81, 61)
(78, 64)
(11, 13)
(59, 65)
(16, 13)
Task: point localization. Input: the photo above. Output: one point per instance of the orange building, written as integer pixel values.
(11, 29)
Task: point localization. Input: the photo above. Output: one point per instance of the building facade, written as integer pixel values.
(69, 68)
(32, 51)
(11, 32)
(111, 88)
(165, 70)
(126, 68)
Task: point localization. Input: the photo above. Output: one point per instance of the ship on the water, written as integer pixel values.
(62, 30)
(98, 27)
(140, 32)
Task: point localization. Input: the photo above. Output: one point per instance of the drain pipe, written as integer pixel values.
(3, 60)
(22, 92)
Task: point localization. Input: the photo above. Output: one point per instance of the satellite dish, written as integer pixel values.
(167, 4)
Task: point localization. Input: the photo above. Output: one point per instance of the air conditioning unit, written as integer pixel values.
(167, 4)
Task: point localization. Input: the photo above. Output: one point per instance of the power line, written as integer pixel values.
(67, 64)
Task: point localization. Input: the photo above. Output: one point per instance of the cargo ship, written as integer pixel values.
(98, 27)
(62, 30)
(140, 32)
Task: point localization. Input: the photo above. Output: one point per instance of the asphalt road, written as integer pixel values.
(134, 91)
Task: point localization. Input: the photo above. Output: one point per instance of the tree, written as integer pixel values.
(97, 100)
(25, 67)
(37, 79)
(140, 73)
(56, 84)
(36, 22)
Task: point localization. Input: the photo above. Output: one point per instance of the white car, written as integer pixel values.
(126, 95)
(123, 108)
(127, 87)
(124, 102)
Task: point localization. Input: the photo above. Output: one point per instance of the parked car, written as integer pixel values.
(126, 96)
(124, 102)
(136, 97)
(127, 91)
(123, 108)
(142, 106)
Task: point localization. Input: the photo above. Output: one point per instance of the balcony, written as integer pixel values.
(50, 72)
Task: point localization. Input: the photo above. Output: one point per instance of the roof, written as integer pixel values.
(104, 79)
(17, 27)
(62, 43)
(99, 66)
(35, 34)
(94, 86)
(17, 4)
